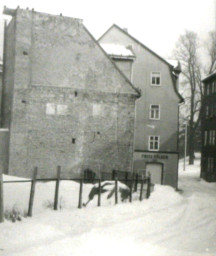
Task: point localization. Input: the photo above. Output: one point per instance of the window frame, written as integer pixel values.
(149, 143)
(150, 112)
(151, 76)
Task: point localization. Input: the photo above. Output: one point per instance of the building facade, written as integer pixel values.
(64, 101)
(208, 127)
(157, 111)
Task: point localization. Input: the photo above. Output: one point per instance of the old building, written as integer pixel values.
(208, 127)
(64, 101)
(157, 111)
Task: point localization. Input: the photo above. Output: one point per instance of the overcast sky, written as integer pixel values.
(156, 23)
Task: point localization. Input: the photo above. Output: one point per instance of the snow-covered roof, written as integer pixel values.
(174, 63)
(212, 72)
(209, 76)
(117, 50)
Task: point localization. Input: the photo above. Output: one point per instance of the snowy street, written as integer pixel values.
(170, 223)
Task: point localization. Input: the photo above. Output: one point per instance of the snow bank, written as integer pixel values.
(168, 224)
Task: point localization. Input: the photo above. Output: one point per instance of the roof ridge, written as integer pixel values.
(147, 48)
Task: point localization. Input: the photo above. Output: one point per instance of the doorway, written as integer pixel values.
(156, 171)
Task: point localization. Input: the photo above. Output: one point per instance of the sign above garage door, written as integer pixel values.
(154, 156)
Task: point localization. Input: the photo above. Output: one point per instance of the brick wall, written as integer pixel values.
(60, 68)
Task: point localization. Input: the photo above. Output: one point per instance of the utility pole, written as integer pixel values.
(185, 146)
(1, 198)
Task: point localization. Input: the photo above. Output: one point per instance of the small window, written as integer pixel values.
(210, 137)
(154, 143)
(213, 137)
(50, 109)
(205, 138)
(154, 112)
(97, 110)
(155, 78)
(207, 111)
(56, 109)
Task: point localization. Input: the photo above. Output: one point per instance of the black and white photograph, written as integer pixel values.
(108, 128)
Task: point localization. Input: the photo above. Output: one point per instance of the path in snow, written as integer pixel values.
(168, 224)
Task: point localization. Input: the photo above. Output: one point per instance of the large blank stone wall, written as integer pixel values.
(58, 62)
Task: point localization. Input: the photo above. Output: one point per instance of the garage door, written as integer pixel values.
(156, 171)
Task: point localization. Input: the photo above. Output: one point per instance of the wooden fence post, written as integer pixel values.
(31, 199)
(99, 192)
(136, 182)
(116, 190)
(148, 192)
(57, 188)
(113, 174)
(141, 189)
(1, 199)
(80, 193)
(131, 190)
(126, 178)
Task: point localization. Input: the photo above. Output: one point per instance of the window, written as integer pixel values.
(154, 112)
(205, 138)
(207, 111)
(210, 167)
(97, 109)
(155, 78)
(154, 143)
(56, 109)
(50, 109)
(210, 137)
(213, 137)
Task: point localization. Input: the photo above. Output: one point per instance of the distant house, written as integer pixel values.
(208, 127)
(65, 102)
(157, 111)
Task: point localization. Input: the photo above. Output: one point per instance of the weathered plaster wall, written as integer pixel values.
(164, 95)
(125, 66)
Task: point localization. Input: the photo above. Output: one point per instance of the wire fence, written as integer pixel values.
(132, 180)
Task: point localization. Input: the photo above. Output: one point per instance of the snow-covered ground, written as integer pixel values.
(170, 223)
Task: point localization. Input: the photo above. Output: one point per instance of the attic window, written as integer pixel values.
(25, 53)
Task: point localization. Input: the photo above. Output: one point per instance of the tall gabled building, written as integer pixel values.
(64, 101)
(208, 127)
(157, 111)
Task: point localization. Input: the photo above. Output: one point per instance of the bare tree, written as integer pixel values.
(210, 45)
(191, 86)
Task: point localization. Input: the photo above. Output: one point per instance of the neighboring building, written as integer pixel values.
(65, 102)
(157, 111)
(1, 81)
(208, 127)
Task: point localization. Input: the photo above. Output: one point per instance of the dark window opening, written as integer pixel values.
(73, 140)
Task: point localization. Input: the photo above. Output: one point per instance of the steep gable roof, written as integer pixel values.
(171, 67)
(69, 49)
(133, 38)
